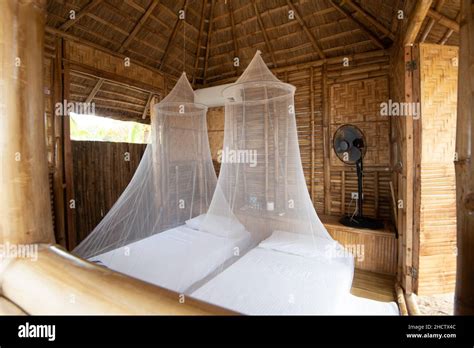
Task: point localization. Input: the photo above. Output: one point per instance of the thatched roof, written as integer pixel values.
(216, 31)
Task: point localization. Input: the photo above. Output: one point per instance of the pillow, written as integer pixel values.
(300, 244)
(223, 226)
(196, 222)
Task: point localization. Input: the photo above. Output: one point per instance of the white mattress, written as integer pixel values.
(174, 259)
(272, 282)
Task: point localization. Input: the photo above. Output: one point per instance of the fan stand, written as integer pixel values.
(360, 221)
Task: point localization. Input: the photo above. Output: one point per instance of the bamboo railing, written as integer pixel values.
(62, 284)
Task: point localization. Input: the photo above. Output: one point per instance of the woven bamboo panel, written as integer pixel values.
(100, 176)
(100, 60)
(374, 251)
(358, 103)
(437, 259)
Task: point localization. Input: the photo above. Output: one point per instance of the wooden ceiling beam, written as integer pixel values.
(89, 7)
(139, 25)
(443, 20)
(416, 20)
(208, 42)
(198, 46)
(172, 37)
(371, 19)
(147, 106)
(264, 32)
(234, 36)
(308, 33)
(450, 32)
(372, 36)
(431, 22)
(94, 91)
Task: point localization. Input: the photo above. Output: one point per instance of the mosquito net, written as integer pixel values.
(174, 182)
(290, 264)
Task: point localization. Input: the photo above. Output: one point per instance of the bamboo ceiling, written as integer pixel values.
(216, 31)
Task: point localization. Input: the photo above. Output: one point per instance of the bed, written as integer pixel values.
(284, 278)
(174, 259)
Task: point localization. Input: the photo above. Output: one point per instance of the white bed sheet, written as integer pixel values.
(268, 282)
(174, 259)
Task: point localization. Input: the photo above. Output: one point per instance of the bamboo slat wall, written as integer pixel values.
(101, 173)
(327, 97)
(437, 242)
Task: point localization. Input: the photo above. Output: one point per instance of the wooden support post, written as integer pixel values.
(326, 145)
(464, 296)
(408, 177)
(25, 214)
(311, 120)
(416, 21)
(58, 177)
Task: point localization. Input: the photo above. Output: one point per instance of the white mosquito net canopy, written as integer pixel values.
(174, 182)
(290, 264)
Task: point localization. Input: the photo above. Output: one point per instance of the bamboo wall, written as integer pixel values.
(437, 241)
(328, 96)
(101, 173)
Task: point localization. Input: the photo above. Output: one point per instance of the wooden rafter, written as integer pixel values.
(450, 32)
(209, 32)
(308, 33)
(147, 106)
(89, 7)
(139, 25)
(198, 46)
(172, 37)
(232, 23)
(443, 20)
(94, 91)
(264, 32)
(371, 19)
(431, 22)
(372, 36)
(416, 21)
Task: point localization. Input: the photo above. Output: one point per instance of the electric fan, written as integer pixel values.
(350, 147)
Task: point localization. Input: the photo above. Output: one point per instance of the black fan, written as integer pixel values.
(350, 147)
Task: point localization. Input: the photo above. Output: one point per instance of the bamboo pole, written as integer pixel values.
(25, 215)
(62, 284)
(464, 294)
(416, 21)
(8, 308)
(402, 305)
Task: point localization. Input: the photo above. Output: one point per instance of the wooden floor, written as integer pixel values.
(375, 286)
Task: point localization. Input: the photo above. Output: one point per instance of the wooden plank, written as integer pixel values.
(139, 25)
(464, 295)
(408, 175)
(416, 20)
(147, 106)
